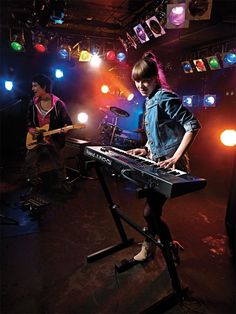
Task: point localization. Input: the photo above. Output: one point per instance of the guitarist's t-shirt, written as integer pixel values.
(43, 119)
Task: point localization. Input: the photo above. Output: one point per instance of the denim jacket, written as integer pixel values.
(166, 121)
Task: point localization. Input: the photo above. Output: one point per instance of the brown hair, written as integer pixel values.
(148, 67)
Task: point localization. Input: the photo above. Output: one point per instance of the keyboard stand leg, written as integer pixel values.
(166, 251)
(113, 208)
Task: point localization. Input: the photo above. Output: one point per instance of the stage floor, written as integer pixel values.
(43, 259)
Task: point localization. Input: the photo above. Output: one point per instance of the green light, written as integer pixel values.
(85, 56)
(16, 46)
(214, 63)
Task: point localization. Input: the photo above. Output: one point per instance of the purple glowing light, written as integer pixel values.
(177, 15)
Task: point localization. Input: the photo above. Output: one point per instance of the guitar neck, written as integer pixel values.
(47, 133)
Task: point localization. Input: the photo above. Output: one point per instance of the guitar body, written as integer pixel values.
(32, 142)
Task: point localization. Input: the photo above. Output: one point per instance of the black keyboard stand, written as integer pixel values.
(113, 208)
(179, 293)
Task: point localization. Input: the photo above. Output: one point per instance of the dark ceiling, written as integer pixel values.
(108, 20)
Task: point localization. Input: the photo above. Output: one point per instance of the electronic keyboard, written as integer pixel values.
(145, 172)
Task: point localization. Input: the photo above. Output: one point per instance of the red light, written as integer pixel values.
(199, 64)
(40, 48)
(110, 55)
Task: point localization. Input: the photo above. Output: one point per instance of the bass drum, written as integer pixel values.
(107, 128)
(105, 133)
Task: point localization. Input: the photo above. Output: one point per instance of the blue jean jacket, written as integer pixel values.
(166, 121)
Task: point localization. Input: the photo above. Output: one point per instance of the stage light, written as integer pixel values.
(110, 55)
(58, 19)
(39, 42)
(187, 101)
(228, 137)
(209, 100)
(229, 59)
(155, 27)
(85, 56)
(198, 9)
(40, 48)
(16, 46)
(8, 85)
(82, 117)
(141, 34)
(121, 56)
(213, 63)
(104, 89)
(130, 96)
(64, 52)
(199, 64)
(17, 42)
(187, 67)
(95, 61)
(176, 16)
(59, 73)
(57, 11)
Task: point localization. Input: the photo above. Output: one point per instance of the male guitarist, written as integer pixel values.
(46, 109)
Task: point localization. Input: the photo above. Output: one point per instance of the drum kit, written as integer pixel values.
(112, 134)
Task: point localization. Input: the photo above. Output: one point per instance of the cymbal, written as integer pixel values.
(139, 131)
(119, 112)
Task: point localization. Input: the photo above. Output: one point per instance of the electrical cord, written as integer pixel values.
(123, 173)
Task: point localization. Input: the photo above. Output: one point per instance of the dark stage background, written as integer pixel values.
(80, 89)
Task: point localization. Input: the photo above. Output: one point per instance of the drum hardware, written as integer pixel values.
(106, 131)
(123, 141)
(118, 113)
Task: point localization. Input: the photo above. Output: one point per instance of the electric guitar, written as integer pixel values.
(33, 141)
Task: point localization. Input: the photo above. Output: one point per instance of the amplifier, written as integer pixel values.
(75, 142)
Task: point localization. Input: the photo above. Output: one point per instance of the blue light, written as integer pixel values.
(230, 58)
(209, 100)
(8, 85)
(59, 19)
(188, 101)
(121, 56)
(187, 67)
(59, 73)
(63, 53)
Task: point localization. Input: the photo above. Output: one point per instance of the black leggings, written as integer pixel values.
(152, 214)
